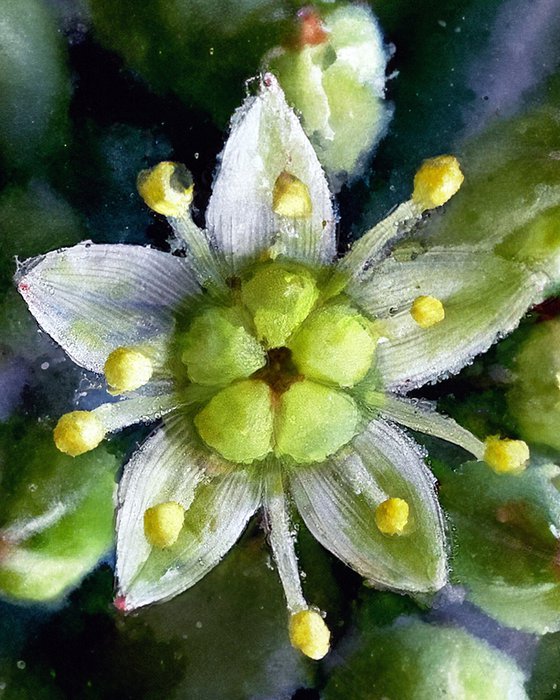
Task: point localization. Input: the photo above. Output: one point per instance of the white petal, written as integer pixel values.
(484, 297)
(337, 501)
(92, 299)
(267, 139)
(169, 468)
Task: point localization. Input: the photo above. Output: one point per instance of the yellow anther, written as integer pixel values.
(127, 369)
(290, 197)
(310, 634)
(506, 456)
(166, 188)
(427, 311)
(78, 432)
(436, 181)
(391, 516)
(163, 523)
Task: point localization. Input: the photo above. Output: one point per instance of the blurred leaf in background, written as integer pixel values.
(56, 513)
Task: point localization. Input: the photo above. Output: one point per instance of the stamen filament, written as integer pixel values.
(368, 249)
(206, 264)
(120, 414)
(282, 540)
(423, 418)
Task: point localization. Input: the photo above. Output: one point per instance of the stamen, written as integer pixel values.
(310, 634)
(127, 369)
(290, 197)
(422, 417)
(369, 249)
(307, 629)
(427, 311)
(163, 523)
(391, 516)
(282, 540)
(506, 456)
(437, 180)
(167, 188)
(78, 432)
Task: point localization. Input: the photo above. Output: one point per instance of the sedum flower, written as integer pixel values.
(278, 372)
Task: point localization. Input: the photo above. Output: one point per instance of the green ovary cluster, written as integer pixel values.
(283, 360)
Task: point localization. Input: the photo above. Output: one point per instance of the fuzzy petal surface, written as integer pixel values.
(337, 500)
(92, 299)
(266, 141)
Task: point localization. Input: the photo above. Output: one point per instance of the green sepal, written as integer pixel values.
(506, 541)
(56, 517)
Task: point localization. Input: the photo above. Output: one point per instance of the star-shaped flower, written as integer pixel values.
(277, 371)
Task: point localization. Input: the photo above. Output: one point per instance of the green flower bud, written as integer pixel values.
(334, 76)
(314, 421)
(280, 297)
(506, 552)
(334, 345)
(413, 660)
(217, 349)
(237, 422)
(534, 400)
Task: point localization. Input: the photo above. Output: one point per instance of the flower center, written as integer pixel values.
(280, 360)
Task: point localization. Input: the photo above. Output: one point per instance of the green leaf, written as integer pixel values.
(56, 513)
(412, 660)
(506, 541)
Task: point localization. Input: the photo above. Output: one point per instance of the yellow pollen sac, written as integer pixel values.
(427, 311)
(506, 456)
(167, 188)
(290, 197)
(391, 516)
(163, 523)
(127, 369)
(310, 634)
(436, 181)
(78, 432)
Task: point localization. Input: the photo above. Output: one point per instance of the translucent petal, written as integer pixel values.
(483, 296)
(92, 299)
(267, 141)
(337, 501)
(169, 468)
